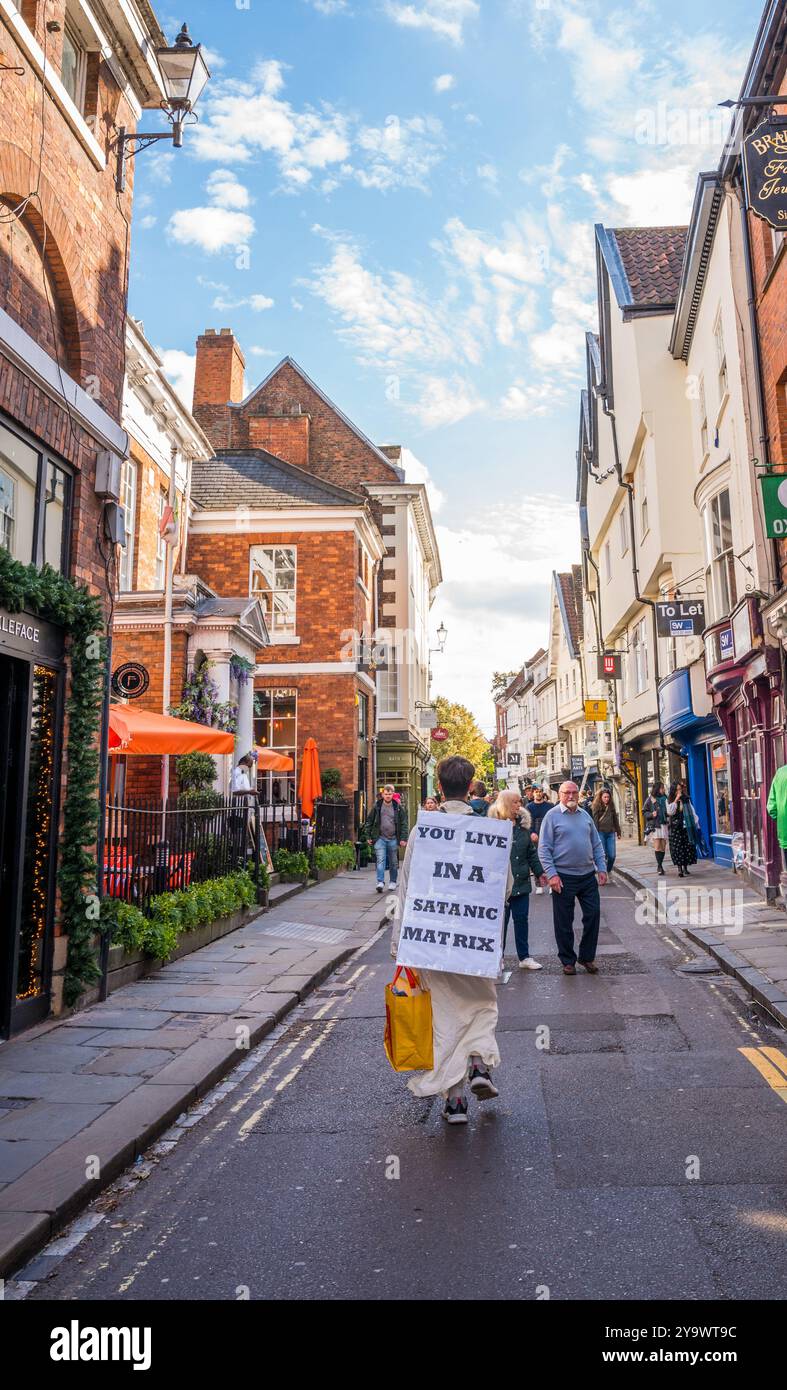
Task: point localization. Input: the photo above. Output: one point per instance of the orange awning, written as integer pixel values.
(311, 784)
(141, 731)
(268, 761)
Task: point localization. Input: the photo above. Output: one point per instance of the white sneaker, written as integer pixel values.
(529, 964)
(380, 888)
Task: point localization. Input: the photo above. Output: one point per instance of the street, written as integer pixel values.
(634, 1152)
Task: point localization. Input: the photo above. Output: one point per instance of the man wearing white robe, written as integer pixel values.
(464, 1007)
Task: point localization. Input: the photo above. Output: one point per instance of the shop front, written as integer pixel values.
(31, 738)
(688, 723)
(744, 677)
(404, 763)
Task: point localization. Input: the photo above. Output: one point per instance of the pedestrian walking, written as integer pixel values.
(524, 862)
(585, 803)
(572, 854)
(655, 814)
(430, 804)
(464, 1007)
(537, 809)
(241, 774)
(605, 819)
(683, 828)
(386, 828)
(478, 798)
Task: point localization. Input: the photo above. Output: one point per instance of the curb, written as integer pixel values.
(24, 1232)
(771, 997)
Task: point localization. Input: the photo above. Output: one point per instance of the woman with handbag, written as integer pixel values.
(524, 862)
(655, 814)
(683, 827)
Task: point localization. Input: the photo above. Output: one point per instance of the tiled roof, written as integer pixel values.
(255, 478)
(576, 570)
(652, 259)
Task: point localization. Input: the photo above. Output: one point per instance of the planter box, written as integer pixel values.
(323, 874)
(126, 966)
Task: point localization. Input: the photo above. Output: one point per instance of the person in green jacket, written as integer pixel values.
(777, 808)
(524, 862)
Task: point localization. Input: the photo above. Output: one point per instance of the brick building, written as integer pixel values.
(69, 75)
(283, 512)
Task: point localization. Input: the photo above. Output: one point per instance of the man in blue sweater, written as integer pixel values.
(572, 855)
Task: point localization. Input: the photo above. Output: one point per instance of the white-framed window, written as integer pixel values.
(73, 67)
(720, 585)
(388, 689)
(669, 655)
(623, 528)
(624, 676)
(273, 582)
(777, 239)
(703, 420)
(161, 545)
(128, 501)
(607, 562)
(721, 359)
(639, 648)
(574, 681)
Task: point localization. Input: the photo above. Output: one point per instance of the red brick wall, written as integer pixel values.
(286, 436)
(335, 452)
(218, 377)
(325, 584)
(143, 774)
(327, 712)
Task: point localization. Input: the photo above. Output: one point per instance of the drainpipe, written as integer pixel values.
(169, 557)
(611, 685)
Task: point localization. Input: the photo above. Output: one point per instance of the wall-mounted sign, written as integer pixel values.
(130, 680)
(726, 644)
(765, 167)
(514, 759)
(533, 763)
(439, 735)
(742, 636)
(539, 750)
(595, 711)
(577, 766)
(774, 500)
(609, 666)
(427, 719)
(680, 617)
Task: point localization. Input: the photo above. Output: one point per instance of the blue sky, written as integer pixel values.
(415, 183)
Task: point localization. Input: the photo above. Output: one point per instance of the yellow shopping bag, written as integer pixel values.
(408, 1023)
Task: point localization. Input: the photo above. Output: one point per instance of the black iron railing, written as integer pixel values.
(333, 822)
(152, 848)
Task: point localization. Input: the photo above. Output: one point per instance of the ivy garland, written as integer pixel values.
(56, 599)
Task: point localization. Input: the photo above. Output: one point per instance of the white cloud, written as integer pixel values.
(146, 222)
(262, 352)
(212, 229)
(445, 18)
(225, 191)
(487, 173)
(417, 472)
(444, 401)
(179, 367)
(496, 613)
(444, 82)
(330, 7)
(257, 302)
(651, 197)
(243, 120)
(525, 400)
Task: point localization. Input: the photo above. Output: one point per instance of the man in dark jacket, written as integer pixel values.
(524, 862)
(387, 830)
(478, 799)
(537, 809)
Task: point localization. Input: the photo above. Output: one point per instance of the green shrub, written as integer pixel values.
(331, 779)
(292, 865)
(366, 853)
(195, 772)
(335, 856)
(171, 914)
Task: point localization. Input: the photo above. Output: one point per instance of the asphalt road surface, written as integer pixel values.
(635, 1152)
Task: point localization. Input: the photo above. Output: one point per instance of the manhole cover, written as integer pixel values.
(699, 967)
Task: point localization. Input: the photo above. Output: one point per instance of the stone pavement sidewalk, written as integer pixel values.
(729, 920)
(81, 1098)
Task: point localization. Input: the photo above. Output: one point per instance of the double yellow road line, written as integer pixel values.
(770, 1063)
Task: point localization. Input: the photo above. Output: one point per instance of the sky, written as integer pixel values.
(401, 195)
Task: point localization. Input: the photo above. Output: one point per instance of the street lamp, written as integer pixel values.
(184, 73)
(442, 633)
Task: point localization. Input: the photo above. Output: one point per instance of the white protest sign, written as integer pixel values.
(453, 912)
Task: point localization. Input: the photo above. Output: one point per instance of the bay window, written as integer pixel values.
(720, 584)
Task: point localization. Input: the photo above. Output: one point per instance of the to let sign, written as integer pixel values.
(680, 617)
(765, 166)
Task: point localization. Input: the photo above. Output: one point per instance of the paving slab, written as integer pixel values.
(107, 1081)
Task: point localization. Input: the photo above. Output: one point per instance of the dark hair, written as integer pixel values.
(247, 760)
(477, 788)
(598, 796)
(654, 791)
(455, 775)
(673, 791)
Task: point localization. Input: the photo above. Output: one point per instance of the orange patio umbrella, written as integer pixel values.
(135, 731)
(268, 761)
(311, 785)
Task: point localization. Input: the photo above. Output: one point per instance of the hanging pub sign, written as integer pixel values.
(609, 666)
(514, 759)
(439, 735)
(130, 680)
(765, 168)
(595, 711)
(774, 500)
(680, 617)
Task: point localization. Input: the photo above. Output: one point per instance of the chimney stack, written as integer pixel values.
(219, 373)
